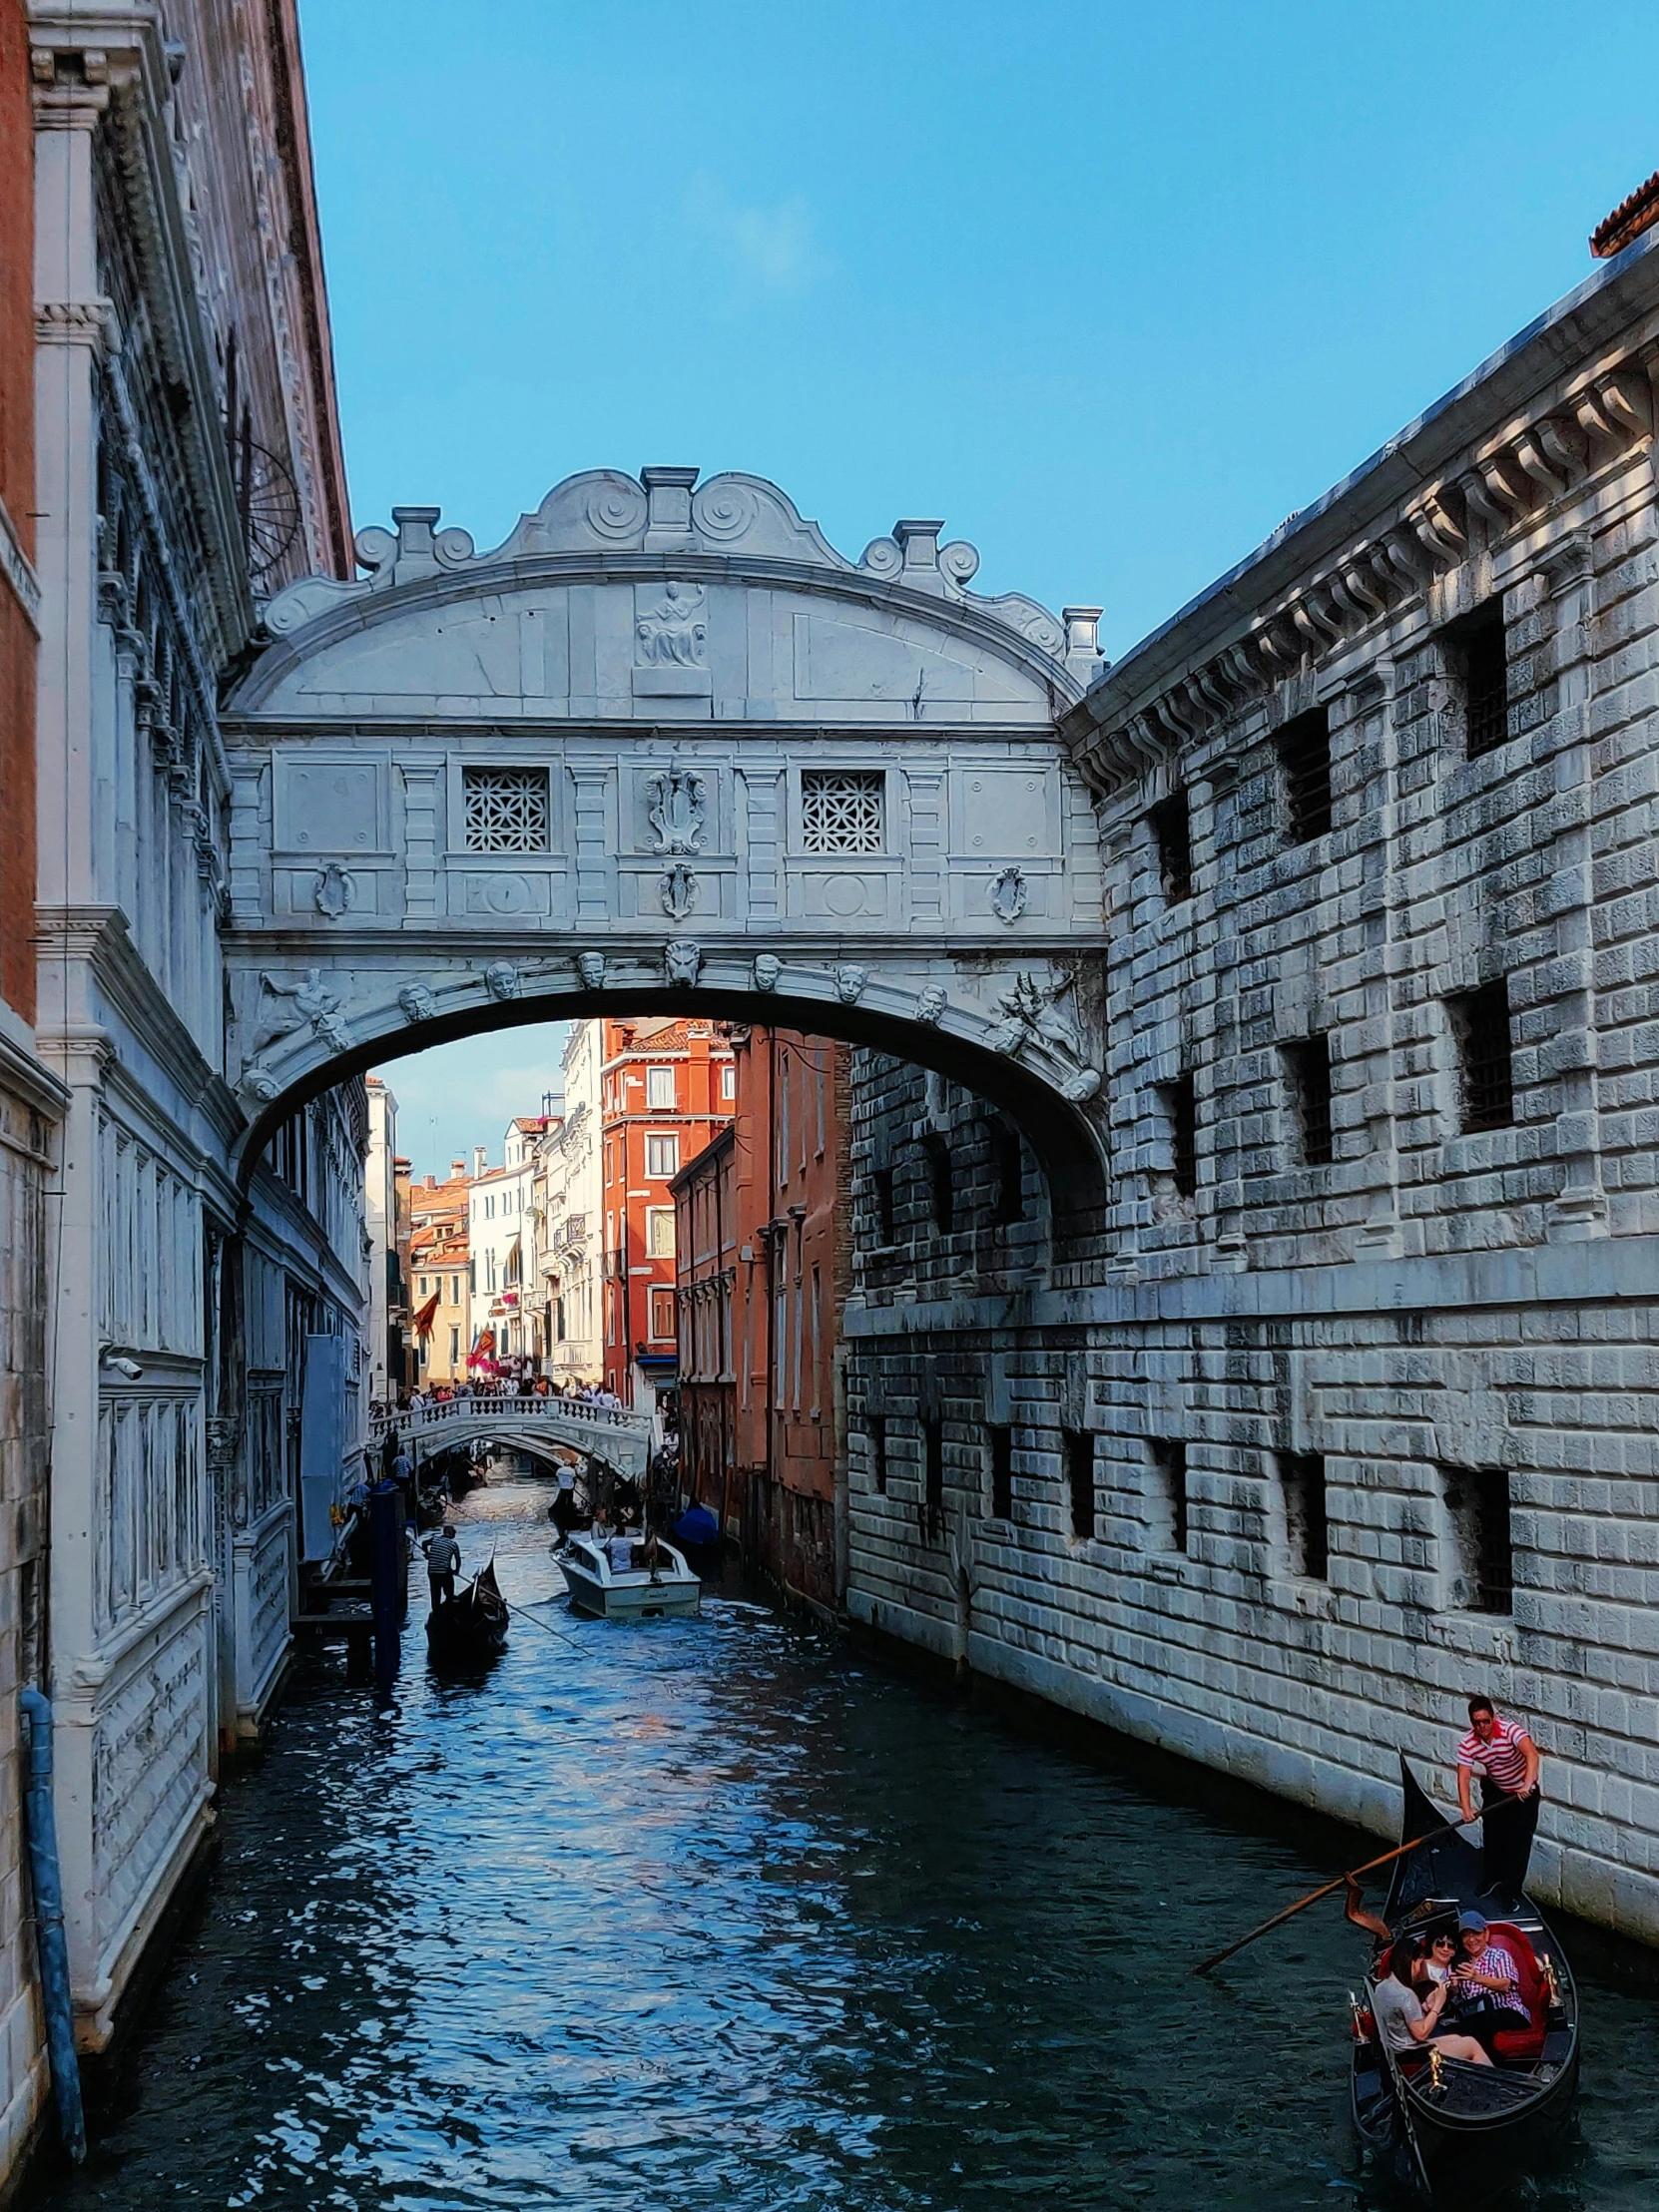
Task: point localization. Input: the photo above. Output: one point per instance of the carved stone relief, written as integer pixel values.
(850, 983)
(1008, 896)
(678, 811)
(590, 967)
(417, 1002)
(677, 889)
(336, 893)
(768, 968)
(502, 980)
(682, 961)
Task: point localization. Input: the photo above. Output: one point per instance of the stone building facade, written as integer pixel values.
(187, 466)
(1358, 1413)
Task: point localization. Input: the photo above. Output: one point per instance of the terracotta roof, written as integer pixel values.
(1627, 221)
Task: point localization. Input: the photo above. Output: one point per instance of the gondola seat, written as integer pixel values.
(1518, 2045)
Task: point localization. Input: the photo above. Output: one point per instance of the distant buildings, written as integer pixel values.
(763, 1242)
(440, 1292)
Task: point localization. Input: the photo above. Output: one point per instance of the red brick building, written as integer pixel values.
(665, 1088)
(764, 1234)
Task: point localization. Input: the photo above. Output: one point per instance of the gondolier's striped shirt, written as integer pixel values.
(1502, 1760)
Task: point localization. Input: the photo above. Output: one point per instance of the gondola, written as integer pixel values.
(472, 1626)
(1459, 2132)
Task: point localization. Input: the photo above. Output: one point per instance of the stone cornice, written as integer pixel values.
(1477, 472)
(21, 1071)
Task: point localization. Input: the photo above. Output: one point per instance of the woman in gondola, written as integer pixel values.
(1406, 2021)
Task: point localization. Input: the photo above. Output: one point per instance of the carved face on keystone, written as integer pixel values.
(590, 966)
(850, 983)
(768, 968)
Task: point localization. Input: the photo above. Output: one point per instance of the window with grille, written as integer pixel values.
(1307, 1529)
(1480, 1024)
(662, 1156)
(1480, 658)
(840, 810)
(1172, 826)
(1303, 748)
(506, 810)
(1309, 1064)
(1079, 1450)
(1478, 1504)
(1181, 1106)
(1002, 1472)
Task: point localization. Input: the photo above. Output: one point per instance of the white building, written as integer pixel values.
(498, 1227)
(388, 1298)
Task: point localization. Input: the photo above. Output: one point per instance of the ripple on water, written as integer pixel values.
(704, 1913)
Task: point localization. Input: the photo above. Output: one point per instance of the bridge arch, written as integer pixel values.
(665, 749)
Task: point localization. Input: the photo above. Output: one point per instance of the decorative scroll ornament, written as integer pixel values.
(682, 962)
(1032, 1016)
(678, 891)
(417, 1002)
(1008, 896)
(673, 633)
(850, 983)
(334, 892)
(314, 1002)
(590, 966)
(930, 1006)
(768, 968)
(677, 812)
(502, 980)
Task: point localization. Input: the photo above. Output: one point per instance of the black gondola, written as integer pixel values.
(1460, 2131)
(472, 1626)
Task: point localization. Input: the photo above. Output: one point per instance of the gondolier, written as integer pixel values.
(1505, 1758)
(443, 1556)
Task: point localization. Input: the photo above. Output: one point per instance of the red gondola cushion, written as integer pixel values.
(1521, 2043)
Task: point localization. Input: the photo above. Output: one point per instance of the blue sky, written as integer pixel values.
(1111, 290)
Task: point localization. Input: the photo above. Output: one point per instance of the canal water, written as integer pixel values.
(714, 1913)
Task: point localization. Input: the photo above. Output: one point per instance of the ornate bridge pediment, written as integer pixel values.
(664, 741)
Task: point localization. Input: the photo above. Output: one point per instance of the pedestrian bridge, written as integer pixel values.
(620, 1441)
(666, 750)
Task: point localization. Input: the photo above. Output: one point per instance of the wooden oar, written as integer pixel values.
(1325, 1889)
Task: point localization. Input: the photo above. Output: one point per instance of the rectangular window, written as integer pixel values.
(662, 1317)
(454, 1290)
(658, 1088)
(1172, 826)
(1309, 1067)
(1477, 1503)
(455, 1347)
(662, 1156)
(1304, 747)
(1478, 654)
(658, 1231)
(876, 1428)
(840, 809)
(1307, 1540)
(1168, 1517)
(940, 1184)
(506, 810)
(932, 1477)
(729, 1081)
(1481, 1025)
(1079, 1455)
(1002, 1472)
(1181, 1107)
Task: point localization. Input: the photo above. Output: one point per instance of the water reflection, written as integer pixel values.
(707, 1913)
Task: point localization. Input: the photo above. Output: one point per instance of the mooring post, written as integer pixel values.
(389, 1581)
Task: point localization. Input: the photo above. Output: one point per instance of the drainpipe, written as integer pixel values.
(51, 1947)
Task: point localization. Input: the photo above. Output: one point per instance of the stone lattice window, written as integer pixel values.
(840, 810)
(507, 809)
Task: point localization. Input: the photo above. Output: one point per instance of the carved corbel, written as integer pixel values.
(1531, 458)
(1554, 438)
(1514, 498)
(1243, 669)
(1408, 558)
(1359, 583)
(1624, 403)
(1316, 622)
(1477, 495)
(1280, 653)
(1449, 535)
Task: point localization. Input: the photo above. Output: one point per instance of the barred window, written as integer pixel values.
(1304, 747)
(840, 810)
(1309, 1064)
(1480, 658)
(1172, 825)
(1485, 1053)
(507, 809)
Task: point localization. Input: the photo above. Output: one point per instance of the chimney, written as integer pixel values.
(431, 1182)
(481, 1158)
(457, 1168)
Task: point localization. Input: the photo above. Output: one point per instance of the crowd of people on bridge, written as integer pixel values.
(517, 1385)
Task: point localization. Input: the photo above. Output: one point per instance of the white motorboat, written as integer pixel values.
(637, 1593)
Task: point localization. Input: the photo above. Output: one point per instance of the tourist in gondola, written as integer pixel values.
(1407, 2022)
(443, 1559)
(1507, 1759)
(1484, 1989)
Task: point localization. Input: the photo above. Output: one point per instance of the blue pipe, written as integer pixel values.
(51, 1946)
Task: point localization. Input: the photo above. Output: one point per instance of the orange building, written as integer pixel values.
(665, 1087)
(765, 1242)
(439, 1274)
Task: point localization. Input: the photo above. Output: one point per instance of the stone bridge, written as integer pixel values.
(621, 1440)
(666, 750)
